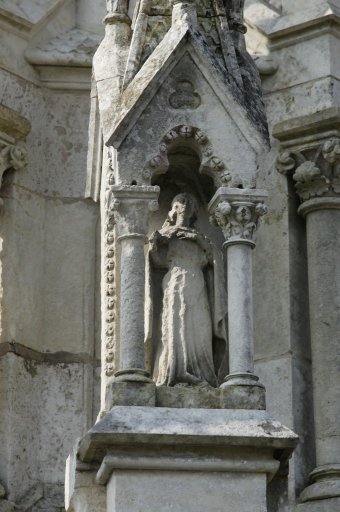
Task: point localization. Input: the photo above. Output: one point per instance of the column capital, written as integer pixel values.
(316, 172)
(129, 207)
(237, 212)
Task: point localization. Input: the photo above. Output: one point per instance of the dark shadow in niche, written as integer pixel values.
(183, 176)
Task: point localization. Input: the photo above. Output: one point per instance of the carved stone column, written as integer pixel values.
(316, 173)
(130, 207)
(237, 212)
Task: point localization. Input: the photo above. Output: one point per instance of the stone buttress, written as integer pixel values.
(177, 101)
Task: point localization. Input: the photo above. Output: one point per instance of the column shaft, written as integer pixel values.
(240, 308)
(132, 289)
(323, 242)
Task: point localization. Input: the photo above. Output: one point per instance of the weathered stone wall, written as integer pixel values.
(49, 345)
(50, 247)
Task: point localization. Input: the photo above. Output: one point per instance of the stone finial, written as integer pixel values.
(235, 14)
(315, 171)
(238, 212)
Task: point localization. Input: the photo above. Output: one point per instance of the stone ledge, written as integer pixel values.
(230, 460)
(309, 129)
(136, 426)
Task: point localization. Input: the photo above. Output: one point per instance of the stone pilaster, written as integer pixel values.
(316, 173)
(237, 212)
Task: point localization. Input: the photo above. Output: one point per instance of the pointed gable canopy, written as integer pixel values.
(186, 36)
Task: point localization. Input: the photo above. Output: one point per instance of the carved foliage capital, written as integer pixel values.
(12, 156)
(238, 219)
(315, 170)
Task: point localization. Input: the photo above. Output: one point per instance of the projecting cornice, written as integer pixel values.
(23, 18)
(65, 61)
(308, 130)
(285, 30)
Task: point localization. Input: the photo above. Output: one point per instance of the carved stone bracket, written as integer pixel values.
(13, 127)
(315, 170)
(11, 156)
(238, 213)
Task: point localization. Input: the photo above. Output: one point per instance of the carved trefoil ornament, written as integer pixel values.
(315, 170)
(184, 96)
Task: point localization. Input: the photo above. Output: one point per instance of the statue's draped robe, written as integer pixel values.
(193, 310)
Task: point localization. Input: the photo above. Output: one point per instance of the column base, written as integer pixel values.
(325, 484)
(241, 379)
(243, 391)
(194, 460)
(139, 392)
(132, 375)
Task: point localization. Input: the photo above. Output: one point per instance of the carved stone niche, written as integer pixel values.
(187, 171)
(13, 128)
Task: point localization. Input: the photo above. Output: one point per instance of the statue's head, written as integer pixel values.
(184, 209)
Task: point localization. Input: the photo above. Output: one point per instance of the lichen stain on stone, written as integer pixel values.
(31, 367)
(270, 427)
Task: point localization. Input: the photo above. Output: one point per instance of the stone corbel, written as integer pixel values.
(13, 128)
(11, 156)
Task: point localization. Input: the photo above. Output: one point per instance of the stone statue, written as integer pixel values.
(193, 299)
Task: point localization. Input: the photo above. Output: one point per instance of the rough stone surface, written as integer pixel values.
(176, 492)
(50, 247)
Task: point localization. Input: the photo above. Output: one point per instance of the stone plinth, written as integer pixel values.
(178, 459)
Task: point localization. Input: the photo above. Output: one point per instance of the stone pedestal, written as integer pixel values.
(178, 459)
